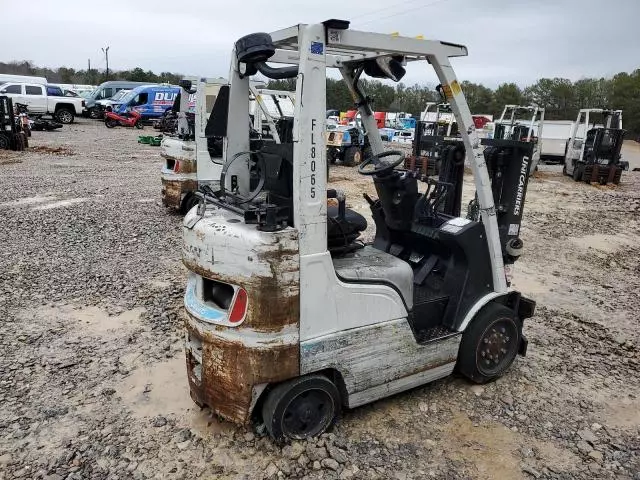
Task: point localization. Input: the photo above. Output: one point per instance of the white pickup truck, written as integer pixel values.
(42, 100)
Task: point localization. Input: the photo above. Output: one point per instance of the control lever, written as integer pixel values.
(369, 200)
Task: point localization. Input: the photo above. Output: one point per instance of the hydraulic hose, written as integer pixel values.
(277, 73)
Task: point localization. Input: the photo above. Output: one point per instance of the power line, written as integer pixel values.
(385, 17)
(385, 9)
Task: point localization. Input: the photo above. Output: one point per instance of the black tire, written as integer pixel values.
(490, 344)
(301, 408)
(5, 142)
(65, 116)
(578, 172)
(25, 139)
(253, 48)
(27, 130)
(352, 156)
(139, 125)
(188, 202)
(110, 123)
(94, 113)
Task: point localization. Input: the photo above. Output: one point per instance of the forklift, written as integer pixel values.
(523, 123)
(592, 153)
(436, 130)
(290, 317)
(11, 135)
(180, 142)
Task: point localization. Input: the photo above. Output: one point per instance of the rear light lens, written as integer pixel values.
(176, 166)
(239, 306)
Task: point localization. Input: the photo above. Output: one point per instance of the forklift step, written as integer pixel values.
(433, 334)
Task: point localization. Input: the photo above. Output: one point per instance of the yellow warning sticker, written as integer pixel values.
(447, 91)
(455, 87)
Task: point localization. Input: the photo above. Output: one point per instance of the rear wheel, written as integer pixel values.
(94, 113)
(110, 122)
(188, 203)
(352, 156)
(301, 408)
(65, 116)
(490, 344)
(139, 125)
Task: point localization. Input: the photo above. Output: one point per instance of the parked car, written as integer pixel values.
(403, 136)
(103, 105)
(107, 90)
(41, 102)
(151, 101)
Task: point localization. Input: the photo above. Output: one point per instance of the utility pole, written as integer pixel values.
(106, 56)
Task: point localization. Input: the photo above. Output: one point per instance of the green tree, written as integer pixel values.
(506, 94)
(479, 97)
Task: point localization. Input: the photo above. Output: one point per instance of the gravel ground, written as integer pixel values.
(92, 381)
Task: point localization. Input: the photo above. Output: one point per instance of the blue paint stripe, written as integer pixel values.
(198, 308)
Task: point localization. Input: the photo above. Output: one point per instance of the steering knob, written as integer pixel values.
(381, 167)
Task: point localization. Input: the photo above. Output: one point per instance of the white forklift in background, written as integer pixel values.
(593, 150)
(193, 155)
(289, 317)
(181, 149)
(522, 123)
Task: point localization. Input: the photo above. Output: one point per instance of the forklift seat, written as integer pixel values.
(373, 266)
(343, 231)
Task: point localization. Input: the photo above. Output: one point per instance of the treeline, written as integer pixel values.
(87, 77)
(561, 98)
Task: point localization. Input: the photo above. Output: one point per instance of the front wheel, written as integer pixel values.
(301, 408)
(94, 113)
(490, 344)
(64, 116)
(110, 122)
(578, 172)
(139, 125)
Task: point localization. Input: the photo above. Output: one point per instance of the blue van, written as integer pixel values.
(151, 101)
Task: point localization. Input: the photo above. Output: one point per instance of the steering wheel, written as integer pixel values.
(381, 167)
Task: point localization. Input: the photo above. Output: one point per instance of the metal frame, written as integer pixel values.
(257, 95)
(341, 49)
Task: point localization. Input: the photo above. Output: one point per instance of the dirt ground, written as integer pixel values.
(92, 375)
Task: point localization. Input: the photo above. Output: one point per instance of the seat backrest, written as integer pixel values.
(278, 160)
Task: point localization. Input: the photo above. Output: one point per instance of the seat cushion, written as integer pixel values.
(357, 221)
(343, 232)
(370, 265)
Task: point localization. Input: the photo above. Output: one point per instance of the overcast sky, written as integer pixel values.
(508, 40)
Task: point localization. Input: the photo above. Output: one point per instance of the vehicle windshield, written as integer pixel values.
(130, 95)
(87, 94)
(119, 95)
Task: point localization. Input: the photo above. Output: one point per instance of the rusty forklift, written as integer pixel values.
(290, 317)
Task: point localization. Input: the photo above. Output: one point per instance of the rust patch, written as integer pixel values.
(174, 190)
(272, 304)
(230, 369)
(188, 166)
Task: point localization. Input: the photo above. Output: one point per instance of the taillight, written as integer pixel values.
(176, 166)
(239, 306)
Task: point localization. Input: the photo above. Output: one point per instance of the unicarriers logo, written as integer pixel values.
(524, 172)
